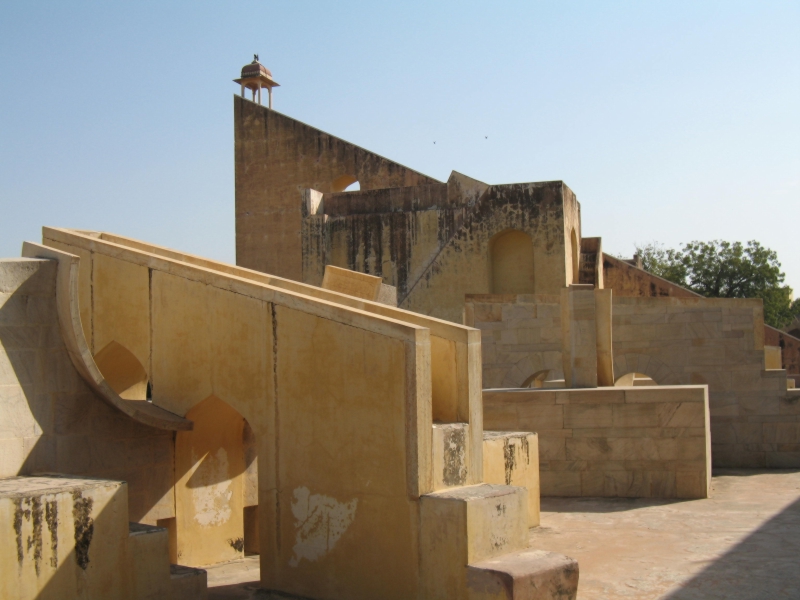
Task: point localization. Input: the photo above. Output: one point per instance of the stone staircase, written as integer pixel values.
(474, 538)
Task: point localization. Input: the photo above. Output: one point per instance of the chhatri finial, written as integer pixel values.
(256, 76)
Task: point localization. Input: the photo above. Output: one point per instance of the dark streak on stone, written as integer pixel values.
(509, 455)
(526, 448)
(84, 527)
(237, 544)
(19, 514)
(455, 468)
(35, 539)
(51, 517)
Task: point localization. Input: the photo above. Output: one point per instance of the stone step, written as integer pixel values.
(148, 557)
(463, 525)
(512, 458)
(188, 583)
(526, 575)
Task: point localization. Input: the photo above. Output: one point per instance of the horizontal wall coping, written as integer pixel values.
(437, 327)
(603, 395)
(237, 284)
(513, 299)
(699, 301)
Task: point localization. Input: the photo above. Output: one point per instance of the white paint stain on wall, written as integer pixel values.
(211, 493)
(320, 521)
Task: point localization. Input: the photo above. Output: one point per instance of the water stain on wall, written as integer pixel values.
(36, 511)
(84, 527)
(320, 522)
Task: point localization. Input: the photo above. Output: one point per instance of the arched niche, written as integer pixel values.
(576, 257)
(511, 258)
(340, 184)
(210, 473)
(123, 371)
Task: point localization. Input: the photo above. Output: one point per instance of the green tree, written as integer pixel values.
(720, 269)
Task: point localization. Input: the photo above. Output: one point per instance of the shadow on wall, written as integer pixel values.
(52, 421)
(556, 504)
(776, 546)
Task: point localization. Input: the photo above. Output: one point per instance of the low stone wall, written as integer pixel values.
(636, 442)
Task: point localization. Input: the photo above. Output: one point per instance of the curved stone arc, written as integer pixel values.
(69, 319)
(646, 364)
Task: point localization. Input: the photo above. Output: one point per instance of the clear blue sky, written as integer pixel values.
(671, 121)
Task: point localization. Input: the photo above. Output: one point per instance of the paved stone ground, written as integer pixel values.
(741, 544)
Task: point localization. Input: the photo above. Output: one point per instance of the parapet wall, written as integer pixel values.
(638, 442)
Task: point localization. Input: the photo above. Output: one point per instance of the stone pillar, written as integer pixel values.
(605, 355)
(579, 336)
(586, 336)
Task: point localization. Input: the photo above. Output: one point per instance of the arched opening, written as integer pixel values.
(123, 371)
(576, 257)
(216, 484)
(511, 260)
(343, 183)
(634, 379)
(545, 379)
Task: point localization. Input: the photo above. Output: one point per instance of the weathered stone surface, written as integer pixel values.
(649, 442)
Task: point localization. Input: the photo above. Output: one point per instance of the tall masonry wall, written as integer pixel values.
(436, 243)
(277, 158)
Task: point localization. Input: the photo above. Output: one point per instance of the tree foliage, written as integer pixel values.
(720, 269)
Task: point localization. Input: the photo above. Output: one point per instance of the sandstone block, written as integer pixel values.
(526, 575)
(188, 583)
(466, 525)
(582, 415)
(512, 458)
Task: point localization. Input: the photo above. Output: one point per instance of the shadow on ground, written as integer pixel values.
(763, 565)
(556, 504)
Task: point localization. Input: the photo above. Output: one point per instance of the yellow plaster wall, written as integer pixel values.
(210, 341)
(121, 306)
(341, 460)
(339, 393)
